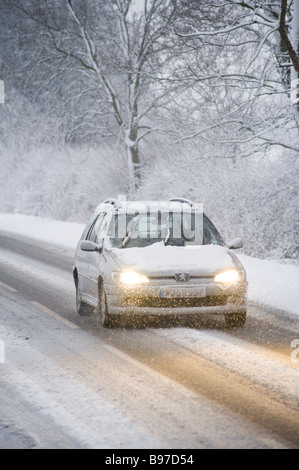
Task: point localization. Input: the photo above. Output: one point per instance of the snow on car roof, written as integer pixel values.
(128, 206)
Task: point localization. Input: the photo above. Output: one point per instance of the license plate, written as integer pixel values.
(185, 292)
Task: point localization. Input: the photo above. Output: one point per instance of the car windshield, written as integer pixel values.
(174, 228)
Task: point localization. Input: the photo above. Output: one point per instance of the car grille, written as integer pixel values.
(178, 303)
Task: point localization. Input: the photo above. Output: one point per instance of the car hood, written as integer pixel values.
(158, 259)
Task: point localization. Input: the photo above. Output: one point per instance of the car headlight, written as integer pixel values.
(130, 278)
(231, 275)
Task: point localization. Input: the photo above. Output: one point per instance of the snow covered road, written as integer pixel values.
(68, 383)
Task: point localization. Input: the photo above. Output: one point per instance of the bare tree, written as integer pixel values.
(250, 53)
(293, 48)
(114, 55)
(280, 16)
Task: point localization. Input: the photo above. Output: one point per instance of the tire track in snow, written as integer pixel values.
(243, 377)
(274, 371)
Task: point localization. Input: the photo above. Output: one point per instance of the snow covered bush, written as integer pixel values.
(256, 198)
(63, 184)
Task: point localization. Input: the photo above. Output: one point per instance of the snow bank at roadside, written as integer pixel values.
(56, 232)
(270, 282)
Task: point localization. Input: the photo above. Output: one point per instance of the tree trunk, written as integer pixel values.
(291, 44)
(295, 71)
(133, 159)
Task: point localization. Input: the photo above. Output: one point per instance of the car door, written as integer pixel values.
(98, 260)
(87, 259)
(81, 259)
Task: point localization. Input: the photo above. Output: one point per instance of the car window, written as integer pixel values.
(211, 236)
(101, 230)
(144, 229)
(175, 229)
(94, 229)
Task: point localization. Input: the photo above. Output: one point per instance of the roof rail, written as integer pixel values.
(183, 200)
(113, 201)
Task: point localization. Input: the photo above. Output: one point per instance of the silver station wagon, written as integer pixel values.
(157, 258)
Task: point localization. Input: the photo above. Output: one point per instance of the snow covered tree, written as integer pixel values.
(293, 48)
(278, 16)
(243, 50)
(112, 55)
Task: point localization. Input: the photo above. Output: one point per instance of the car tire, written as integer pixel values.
(82, 308)
(105, 317)
(235, 320)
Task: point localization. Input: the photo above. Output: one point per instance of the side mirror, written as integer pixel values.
(235, 243)
(87, 245)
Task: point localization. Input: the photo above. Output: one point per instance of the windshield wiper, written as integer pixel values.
(129, 233)
(126, 240)
(167, 237)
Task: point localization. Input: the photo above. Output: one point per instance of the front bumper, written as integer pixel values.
(171, 299)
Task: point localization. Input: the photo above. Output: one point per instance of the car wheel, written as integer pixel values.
(235, 320)
(83, 309)
(105, 317)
